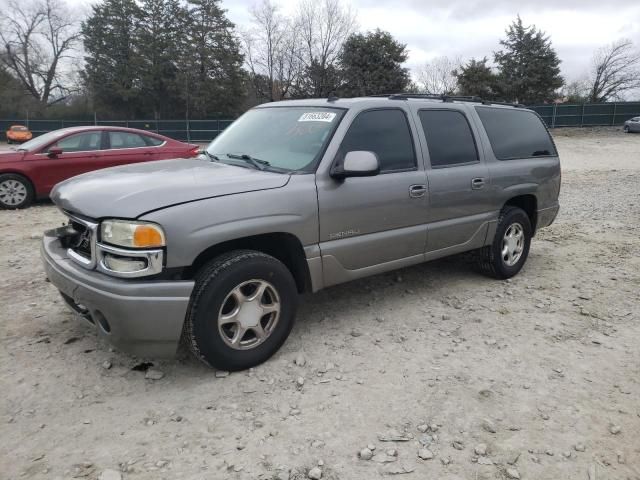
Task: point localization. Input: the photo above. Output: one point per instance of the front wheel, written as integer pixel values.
(626, 129)
(242, 310)
(509, 250)
(15, 191)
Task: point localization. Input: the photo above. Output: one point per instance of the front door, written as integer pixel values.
(81, 153)
(459, 183)
(370, 222)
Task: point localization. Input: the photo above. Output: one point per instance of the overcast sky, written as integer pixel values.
(472, 28)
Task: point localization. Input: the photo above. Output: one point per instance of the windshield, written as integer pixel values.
(281, 138)
(42, 140)
(19, 129)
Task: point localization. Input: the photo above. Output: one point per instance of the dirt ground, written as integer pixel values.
(534, 378)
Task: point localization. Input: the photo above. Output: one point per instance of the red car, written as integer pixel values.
(33, 169)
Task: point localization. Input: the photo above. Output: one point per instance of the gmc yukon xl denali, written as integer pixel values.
(293, 197)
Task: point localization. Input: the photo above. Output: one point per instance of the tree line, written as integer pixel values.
(168, 59)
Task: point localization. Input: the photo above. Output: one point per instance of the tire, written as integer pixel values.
(9, 142)
(218, 287)
(490, 259)
(626, 129)
(15, 191)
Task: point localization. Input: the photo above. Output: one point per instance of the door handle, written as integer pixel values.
(417, 191)
(477, 183)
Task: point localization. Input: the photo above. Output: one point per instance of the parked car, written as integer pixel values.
(293, 197)
(32, 170)
(18, 134)
(632, 125)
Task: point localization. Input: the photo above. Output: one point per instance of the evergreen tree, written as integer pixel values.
(371, 63)
(160, 37)
(529, 66)
(476, 79)
(112, 63)
(211, 63)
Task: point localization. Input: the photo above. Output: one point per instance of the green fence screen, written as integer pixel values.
(184, 130)
(588, 114)
(203, 131)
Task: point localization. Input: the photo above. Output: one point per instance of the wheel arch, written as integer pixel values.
(283, 246)
(527, 202)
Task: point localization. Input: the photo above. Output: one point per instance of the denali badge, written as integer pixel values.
(346, 233)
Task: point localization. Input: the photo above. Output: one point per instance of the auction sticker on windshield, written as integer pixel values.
(317, 117)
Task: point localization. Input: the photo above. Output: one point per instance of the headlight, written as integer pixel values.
(126, 233)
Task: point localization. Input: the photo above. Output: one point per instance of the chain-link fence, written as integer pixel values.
(588, 114)
(183, 130)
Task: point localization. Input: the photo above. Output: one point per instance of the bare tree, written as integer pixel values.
(437, 76)
(324, 26)
(272, 53)
(615, 70)
(36, 39)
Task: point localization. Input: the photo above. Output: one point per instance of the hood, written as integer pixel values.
(132, 190)
(11, 156)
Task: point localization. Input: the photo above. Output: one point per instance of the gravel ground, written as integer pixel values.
(433, 371)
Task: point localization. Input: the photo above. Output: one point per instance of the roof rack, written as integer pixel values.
(445, 98)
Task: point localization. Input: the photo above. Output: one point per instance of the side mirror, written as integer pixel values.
(359, 163)
(54, 152)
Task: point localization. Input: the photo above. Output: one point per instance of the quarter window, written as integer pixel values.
(449, 138)
(81, 142)
(125, 140)
(384, 132)
(152, 141)
(516, 133)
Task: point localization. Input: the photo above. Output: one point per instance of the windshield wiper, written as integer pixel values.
(255, 162)
(211, 156)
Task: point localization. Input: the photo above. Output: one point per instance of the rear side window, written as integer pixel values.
(449, 137)
(387, 134)
(515, 133)
(125, 140)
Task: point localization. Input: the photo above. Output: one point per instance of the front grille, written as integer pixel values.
(80, 240)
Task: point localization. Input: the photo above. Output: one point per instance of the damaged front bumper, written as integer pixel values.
(144, 318)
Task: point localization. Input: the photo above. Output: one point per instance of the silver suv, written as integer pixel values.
(293, 197)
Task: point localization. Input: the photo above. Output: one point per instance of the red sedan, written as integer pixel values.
(33, 169)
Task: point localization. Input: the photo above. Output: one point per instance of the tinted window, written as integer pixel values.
(125, 140)
(152, 141)
(384, 132)
(449, 137)
(82, 142)
(515, 133)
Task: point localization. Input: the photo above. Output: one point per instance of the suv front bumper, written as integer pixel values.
(144, 318)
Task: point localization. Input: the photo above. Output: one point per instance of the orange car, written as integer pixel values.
(18, 134)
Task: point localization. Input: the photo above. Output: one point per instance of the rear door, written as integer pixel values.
(459, 181)
(127, 147)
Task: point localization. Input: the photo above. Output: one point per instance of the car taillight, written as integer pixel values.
(195, 151)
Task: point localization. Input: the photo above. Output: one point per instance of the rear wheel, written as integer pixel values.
(9, 142)
(508, 253)
(15, 191)
(242, 310)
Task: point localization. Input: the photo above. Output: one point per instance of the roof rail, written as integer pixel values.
(446, 98)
